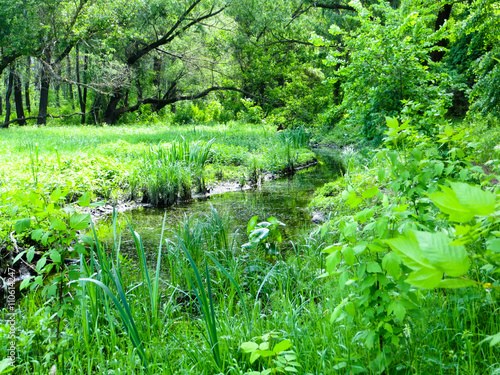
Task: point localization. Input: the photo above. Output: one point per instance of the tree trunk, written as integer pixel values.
(70, 87)
(57, 87)
(7, 99)
(443, 15)
(1, 106)
(44, 95)
(82, 94)
(18, 97)
(27, 85)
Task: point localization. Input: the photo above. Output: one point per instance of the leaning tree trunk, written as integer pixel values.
(18, 97)
(44, 94)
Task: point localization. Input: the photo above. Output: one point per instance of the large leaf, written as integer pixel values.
(450, 259)
(478, 201)
(79, 221)
(259, 234)
(448, 203)
(409, 251)
(57, 223)
(425, 277)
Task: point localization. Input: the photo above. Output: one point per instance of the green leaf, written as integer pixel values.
(84, 200)
(25, 282)
(251, 224)
(332, 261)
(79, 221)
(37, 234)
(448, 203)
(22, 224)
(30, 255)
(265, 353)
(425, 277)
(475, 199)
(349, 256)
(373, 267)
(58, 224)
(56, 195)
(391, 264)
(456, 283)
(494, 339)
(396, 308)
(370, 192)
(282, 346)
(249, 347)
(450, 259)
(41, 262)
(409, 251)
(55, 256)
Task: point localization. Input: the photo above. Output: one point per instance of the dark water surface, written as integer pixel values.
(286, 199)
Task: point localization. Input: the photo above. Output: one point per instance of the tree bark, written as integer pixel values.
(82, 94)
(44, 94)
(18, 98)
(7, 99)
(27, 85)
(69, 86)
(443, 15)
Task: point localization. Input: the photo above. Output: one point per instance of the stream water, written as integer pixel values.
(287, 199)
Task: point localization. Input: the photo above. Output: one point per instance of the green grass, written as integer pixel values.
(110, 161)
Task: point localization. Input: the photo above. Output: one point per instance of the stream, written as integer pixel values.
(287, 199)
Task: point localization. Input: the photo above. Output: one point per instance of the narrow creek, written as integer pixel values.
(287, 199)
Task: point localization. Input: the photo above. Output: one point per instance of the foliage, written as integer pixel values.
(385, 69)
(276, 352)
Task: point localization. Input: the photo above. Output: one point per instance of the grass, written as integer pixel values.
(203, 294)
(110, 161)
(138, 320)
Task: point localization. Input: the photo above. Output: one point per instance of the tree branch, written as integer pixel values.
(6, 124)
(334, 6)
(172, 33)
(173, 99)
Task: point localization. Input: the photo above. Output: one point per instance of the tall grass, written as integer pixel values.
(169, 170)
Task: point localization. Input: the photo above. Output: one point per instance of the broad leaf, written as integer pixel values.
(79, 221)
(249, 347)
(282, 346)
(448, 203)
(22, 224)
(425, 277)
(57, 223)
(409, 251)
(391, 264)
(450, 259)
(475, 199)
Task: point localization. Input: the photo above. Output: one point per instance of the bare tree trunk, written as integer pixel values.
(7, 99)
(82, 94)
(44, 96)
(70, 87)
(27, 85)
(18, 97)
(57, 87)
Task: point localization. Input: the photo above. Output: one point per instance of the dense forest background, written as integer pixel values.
(289, 62)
